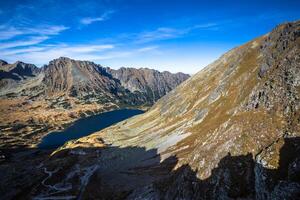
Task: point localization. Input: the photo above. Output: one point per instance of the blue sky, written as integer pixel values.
(163, 34)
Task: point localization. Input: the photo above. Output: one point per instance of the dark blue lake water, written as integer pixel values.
(86, 126)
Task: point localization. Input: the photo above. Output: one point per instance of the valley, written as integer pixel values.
(229, 132)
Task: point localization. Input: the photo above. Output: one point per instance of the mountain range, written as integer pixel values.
(65, 89)
(84, 80)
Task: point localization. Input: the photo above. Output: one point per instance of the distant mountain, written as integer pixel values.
(231, 131)
(67, 89)
(84, 79)
(21, 69)
(12, 73)
(151, 84)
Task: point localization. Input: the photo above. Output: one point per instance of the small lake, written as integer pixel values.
(86, 126)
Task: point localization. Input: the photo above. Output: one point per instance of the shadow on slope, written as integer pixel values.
(8, 75)
(241, 177)
(136, 173)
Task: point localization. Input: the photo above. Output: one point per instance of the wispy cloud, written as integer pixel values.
(164, 33)
(43, 53)
(21, 43)
(31, 40)
(109, 55)
(9, 32)
(62, 49)
(87, 48)
(14, 52)
(90, 20)
(206, 26)
(148, 48)
(159, 34)
(47, 30)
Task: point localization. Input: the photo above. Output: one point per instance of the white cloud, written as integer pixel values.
(56, 49)
(9, 32)
(159, 34)
(85, 48)
(46, 30)
(12, 52)
(20, 43)
(164, 33)
(32, 38)
(205, 26)
(90, 20)
(44, 53)
(149, 48)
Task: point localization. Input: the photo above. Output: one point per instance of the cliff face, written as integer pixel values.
(230, 131)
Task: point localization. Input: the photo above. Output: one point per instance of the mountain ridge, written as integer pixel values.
(65, 61)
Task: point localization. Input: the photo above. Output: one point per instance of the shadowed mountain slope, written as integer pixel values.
(107, 172)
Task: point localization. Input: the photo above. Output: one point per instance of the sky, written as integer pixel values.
(177, 36)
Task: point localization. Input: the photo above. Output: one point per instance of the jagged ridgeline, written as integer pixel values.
(87, 81)
(230, 131)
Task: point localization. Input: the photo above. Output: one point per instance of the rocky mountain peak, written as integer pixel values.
(62, 59)
(61, 62)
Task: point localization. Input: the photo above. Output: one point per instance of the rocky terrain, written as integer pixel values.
(150, 84)
(231, 131)
(34, 101)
